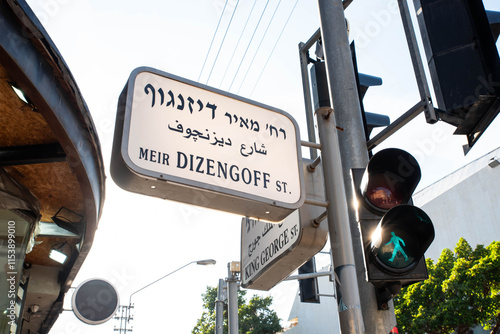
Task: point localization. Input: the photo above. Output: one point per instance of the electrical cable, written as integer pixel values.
(258, 23)
(213, 38)
(275, 44)
(237, 44)
(223, 39)
(257, 51)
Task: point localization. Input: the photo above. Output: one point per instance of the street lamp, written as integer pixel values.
(200, 262)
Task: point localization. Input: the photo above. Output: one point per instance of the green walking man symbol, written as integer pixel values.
(397, 241)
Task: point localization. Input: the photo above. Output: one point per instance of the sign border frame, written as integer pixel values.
(121, 138)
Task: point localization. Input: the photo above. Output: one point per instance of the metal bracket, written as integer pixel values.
(418, 67)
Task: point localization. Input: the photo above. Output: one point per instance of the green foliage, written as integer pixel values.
(254, 317)
(463, 291)
(206, 324)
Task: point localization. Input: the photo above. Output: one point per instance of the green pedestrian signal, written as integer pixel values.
(393, 253)
(397, 241)
(401, 238)
(395, 234)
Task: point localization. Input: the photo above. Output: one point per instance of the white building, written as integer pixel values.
(465, 203)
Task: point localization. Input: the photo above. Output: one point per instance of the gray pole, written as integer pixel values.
(307, 101)
(232, 300)
(352, 148)
(349, 306)
(219, 308)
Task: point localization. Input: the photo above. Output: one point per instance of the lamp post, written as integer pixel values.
(128, 317)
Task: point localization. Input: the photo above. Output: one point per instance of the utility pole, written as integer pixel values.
(348, 301)
(123, 317)
(219, 307)
(233, 270)
(348, 149)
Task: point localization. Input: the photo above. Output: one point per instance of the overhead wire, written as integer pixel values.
(213, 38)
(237, 44)
(274, 47)
(246, 50)
(257, 51)
(222, 43)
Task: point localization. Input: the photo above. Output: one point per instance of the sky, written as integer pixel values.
(141, 238)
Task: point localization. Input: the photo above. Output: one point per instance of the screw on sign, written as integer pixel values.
(95, 301)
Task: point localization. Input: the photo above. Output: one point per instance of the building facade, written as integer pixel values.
(52, 180)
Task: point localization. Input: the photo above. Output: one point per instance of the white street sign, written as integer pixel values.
(271, 252)
(239, 155)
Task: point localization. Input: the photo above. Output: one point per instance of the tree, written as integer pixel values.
(462, 292)
(254, 317)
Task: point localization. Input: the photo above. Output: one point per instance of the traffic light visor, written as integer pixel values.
(389, 179)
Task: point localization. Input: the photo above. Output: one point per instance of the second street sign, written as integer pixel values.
(271, 252)
(183, 141)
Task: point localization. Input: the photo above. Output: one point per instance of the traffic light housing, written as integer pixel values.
(395, 234)
(321, 92)
(308, 287)
(463, 62)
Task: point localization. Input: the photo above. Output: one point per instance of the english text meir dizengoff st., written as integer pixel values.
(211, 167)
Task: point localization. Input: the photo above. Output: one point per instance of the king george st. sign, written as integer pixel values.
(187, 142)
(271, 252)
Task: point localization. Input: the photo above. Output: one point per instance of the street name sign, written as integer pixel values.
(271, 252)
(183, 141)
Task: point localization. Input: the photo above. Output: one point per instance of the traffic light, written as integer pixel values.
(363, 82)
(395, 234)
(308, 287)
(463, 61)
(321, 93)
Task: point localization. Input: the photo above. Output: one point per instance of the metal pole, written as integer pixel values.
(130, 305)
(352, 148)
(159, 279)
(418, 67)
(349, 306)
(232, 300)
(133, 293)
(127, 318)
(307, 99)
(396, 125)
(219, 308)
(307, 276)
(128, 313)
